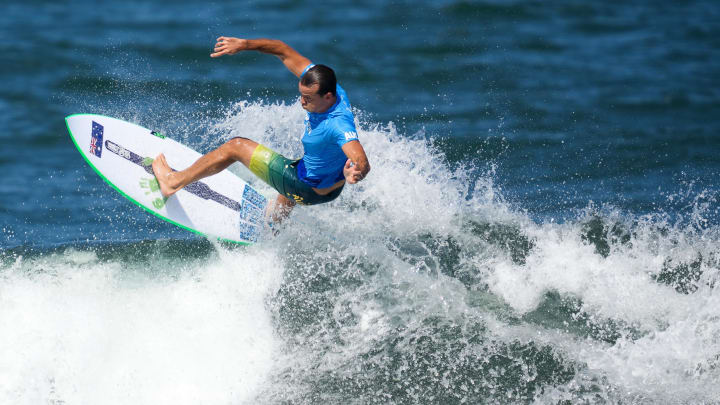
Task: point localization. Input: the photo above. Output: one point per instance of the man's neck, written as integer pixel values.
(332, 103)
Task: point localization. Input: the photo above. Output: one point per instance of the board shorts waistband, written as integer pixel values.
(280, 173)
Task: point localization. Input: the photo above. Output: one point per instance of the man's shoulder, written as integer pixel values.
(344, 100)
(342, 127)
(341, 121)
(343, 110)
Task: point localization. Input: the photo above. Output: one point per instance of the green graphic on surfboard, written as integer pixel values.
(153, 187)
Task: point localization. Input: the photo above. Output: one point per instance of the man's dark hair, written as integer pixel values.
(322, 75)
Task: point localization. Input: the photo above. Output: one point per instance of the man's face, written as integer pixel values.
(313, 102)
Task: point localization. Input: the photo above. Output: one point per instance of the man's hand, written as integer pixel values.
(229, 46)
(352, 173)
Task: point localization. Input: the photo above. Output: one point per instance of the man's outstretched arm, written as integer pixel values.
(290, 57)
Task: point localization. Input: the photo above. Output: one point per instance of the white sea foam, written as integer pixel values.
(676, 357)
(79, 330)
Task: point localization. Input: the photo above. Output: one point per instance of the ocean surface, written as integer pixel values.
(541, 223)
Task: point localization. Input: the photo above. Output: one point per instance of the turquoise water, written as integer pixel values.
(540, 224)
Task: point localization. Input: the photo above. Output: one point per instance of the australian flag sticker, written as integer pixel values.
(96, 139)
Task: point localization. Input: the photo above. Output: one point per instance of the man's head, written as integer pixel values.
(317, 89)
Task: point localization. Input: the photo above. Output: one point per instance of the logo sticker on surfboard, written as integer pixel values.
(96, 139)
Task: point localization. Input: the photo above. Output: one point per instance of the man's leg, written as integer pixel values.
(234, 150)
(281, 209)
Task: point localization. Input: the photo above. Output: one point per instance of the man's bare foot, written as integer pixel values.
(165, 176)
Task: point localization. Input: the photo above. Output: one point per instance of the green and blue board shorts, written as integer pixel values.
(281, 174)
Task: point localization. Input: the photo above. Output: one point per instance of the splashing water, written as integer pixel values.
(418, 285)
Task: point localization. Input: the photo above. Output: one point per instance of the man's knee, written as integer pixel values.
(284, 201)
(241, 149)
(237, 141)
(281, 208)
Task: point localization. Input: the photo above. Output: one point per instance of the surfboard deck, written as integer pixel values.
(222, 206)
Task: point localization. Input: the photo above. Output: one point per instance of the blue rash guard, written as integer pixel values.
(325, 134)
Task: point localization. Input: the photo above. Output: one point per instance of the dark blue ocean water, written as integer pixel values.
(541, 222)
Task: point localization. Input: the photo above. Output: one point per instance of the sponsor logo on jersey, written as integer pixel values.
(350, 135)
(96, 139)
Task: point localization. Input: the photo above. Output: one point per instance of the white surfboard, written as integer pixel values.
(222, 206)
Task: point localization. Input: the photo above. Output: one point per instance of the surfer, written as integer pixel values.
(333, 154)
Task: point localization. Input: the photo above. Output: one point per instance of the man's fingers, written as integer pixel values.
(221, 42)
(353, 173)
(219, 50)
